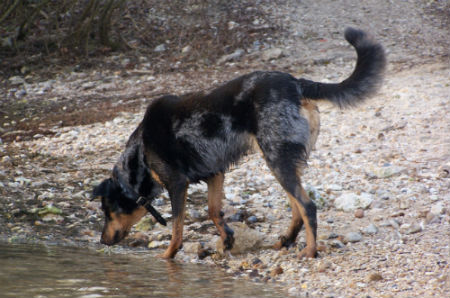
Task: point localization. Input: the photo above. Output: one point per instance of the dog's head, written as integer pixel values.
(121, 212)
(119, 204)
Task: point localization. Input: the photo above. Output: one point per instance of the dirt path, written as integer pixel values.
(394, 150)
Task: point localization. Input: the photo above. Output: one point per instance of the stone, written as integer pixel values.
(370, 229)
(192, 247)
(16, 80)
(252, 219)
(276, 271)
(145, 224)
(386, 172)
(410, 228)
(314, 195)
(437, 209)
(236, 55)
(353, 237)
(359, 213)
(245, 239)
(187, 49)
(351, 201)
(374, 277)
(272, 54)
(158, 244)
(160, 48)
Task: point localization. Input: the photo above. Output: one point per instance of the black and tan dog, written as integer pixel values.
(191, 138)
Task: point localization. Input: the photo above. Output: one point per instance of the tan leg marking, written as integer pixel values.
(215, 197)
(177, 232)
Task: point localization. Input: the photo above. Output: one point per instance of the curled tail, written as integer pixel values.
(362, 83)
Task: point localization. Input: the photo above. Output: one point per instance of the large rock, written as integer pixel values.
(245, 239)
(351, 201)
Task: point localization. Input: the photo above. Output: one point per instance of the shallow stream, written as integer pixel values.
(54, 271)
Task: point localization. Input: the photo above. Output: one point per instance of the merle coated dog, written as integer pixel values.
(196, 137)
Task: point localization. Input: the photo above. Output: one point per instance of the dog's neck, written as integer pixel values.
(132, 171)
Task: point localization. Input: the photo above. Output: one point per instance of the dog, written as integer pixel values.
(197, 137)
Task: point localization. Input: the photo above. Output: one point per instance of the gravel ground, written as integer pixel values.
(380, 174)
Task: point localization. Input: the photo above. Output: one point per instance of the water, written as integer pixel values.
(51, 271)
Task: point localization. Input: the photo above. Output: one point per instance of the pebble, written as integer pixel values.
(160, 48)
(236, 55)
(252, 219)
(375, 277)
(272, 54)
(353, 237)
(359, 213)
(192, 247)
(276, 271)
(370, 229)
(410, 228)
(437, 208)
(352, 201)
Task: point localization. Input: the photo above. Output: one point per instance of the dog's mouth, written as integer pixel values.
(118, 236)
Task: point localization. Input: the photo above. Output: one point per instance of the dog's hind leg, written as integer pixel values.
(285, 160)
(177, 193)
(288, 239)
(303, 212)
(215, 197)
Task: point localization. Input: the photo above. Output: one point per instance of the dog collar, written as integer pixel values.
(142, 201)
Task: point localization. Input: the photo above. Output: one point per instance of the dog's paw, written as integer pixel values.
(307, 252)
(228, 242)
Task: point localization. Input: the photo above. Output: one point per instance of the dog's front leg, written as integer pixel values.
(215, 196)
(177, 193)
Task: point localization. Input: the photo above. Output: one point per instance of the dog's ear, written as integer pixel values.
(102, 190)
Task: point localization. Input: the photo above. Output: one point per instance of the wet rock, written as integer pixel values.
(138, 239)
(192, 247)
(351, 201)
(158, 244)
(145, 224)
(245, 239)
(276, 271)
(252, 219)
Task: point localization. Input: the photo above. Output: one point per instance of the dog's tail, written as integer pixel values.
(363, 82)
